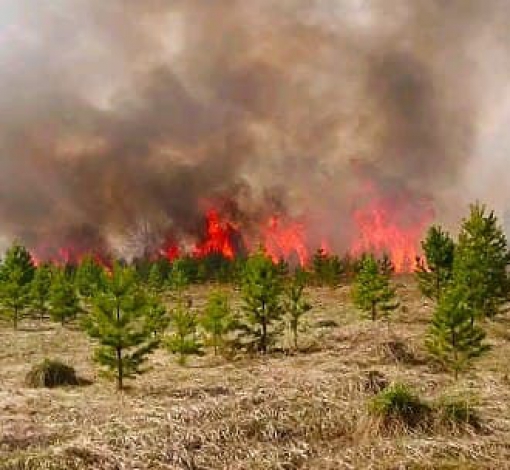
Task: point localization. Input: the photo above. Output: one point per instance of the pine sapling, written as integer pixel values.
(261, 294)
(296, 306)
(372, 291)
(183, 334)
(157, 315)
(481, 263)
(435, 271)
(118, 323)
(452, 339)
(40, 290)
(14, 295)
(63, 300)
(217, 320)
(16, 273)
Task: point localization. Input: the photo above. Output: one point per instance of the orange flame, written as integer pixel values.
(218, 238)
(282, 240)
(381, 231)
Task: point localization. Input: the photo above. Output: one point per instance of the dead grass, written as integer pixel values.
(300, 411)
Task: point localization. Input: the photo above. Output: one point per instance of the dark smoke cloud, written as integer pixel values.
(123, 114)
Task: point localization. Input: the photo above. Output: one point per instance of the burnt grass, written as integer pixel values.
(306, 410)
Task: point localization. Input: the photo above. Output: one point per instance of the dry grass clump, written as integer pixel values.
(458, 413)
(398, 409)
(51, 373)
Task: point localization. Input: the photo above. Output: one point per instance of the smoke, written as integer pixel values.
(124, 114)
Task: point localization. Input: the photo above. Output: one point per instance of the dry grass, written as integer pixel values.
(301, 411)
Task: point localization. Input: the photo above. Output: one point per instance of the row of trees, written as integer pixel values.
(128, 319)
(124, 311)
(468, 280)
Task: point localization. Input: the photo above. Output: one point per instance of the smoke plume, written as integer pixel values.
(122, 119)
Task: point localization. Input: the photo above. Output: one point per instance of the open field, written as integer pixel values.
(305, 410)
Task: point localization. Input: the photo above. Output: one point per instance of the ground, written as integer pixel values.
(302, 411)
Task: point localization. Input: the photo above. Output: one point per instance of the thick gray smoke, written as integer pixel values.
(122, 114)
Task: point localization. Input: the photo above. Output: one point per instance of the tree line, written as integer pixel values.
(129, 310)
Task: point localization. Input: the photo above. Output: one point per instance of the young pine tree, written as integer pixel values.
(179, 279)
(372, 291)
(63, 300)
(436, 271)
(183, 337)
(452, 339)
(481, 261)
(261, 294)
(40, 290)
(157, 315)
(155, 280)
(16, 273)
(118, 323)
(217, 320)
(296, 306)
(327, 269)
(15, 295)
(89, 277)
(18, 258)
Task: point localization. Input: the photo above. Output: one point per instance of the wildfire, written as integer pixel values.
(284, 240)
(392, 225)
(219, 237)
(68, 255)
(382, 230)
(170, 250)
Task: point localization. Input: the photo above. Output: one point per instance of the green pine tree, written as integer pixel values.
(155, 280)
(118, 322)
(18, 257)
(372, 291)
(261, 294)
(16, 273)
(63, 300)
(179, 280)
(183, 337)
(436, 270)
(327, 269)
(89, 277)
(217, 320)
(157, 315)
(15, 295)
(481, 262)
(40, 290)
(452, 339)
(296, 306)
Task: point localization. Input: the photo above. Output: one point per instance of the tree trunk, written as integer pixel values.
(15, 318)
(374, 311)
(120, 370)
(263, 339)
(120, 366)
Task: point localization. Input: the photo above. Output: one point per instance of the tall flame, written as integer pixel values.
(284, 239)
(218, 237)
(381, 230)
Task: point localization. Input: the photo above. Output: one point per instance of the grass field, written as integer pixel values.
(301, 411)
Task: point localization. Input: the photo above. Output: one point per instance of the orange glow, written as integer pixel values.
(218, 237)
(282, 240)
(382, 231)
